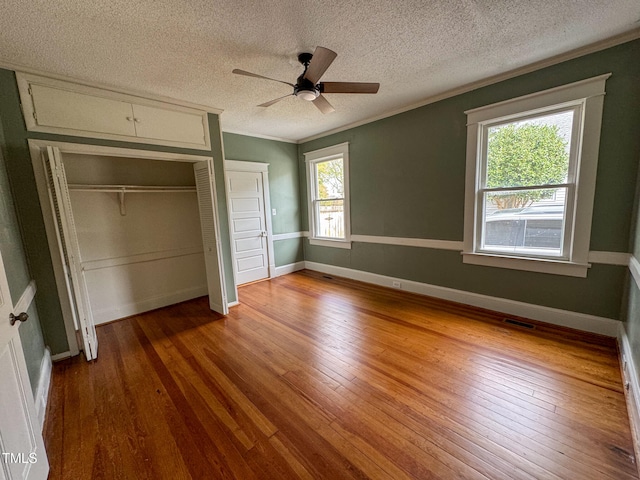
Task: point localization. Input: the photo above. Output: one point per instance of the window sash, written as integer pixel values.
(317, 228)
(567, 229)
(570, 184)
(316, 200)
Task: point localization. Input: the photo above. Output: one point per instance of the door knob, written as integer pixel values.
(23, 317)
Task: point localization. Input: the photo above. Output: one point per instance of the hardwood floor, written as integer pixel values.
(314, 377)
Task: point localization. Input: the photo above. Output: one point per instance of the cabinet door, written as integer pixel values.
(59, 108)
(169, 125)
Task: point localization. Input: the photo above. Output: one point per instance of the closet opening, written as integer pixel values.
(129, 231)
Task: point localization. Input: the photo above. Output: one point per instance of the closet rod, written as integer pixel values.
(122, 189)
(130, 188)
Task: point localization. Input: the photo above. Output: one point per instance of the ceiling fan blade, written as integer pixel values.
(268, 104)
(323, 104)
(349, 87)
(249, 74)
(322, 58)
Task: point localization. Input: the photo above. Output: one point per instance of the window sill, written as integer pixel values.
(554, 267)
(330, 243)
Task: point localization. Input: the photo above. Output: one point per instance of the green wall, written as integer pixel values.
(16, 268)
(631, 305)
(407, 176)
(284, 187)
(20, 172)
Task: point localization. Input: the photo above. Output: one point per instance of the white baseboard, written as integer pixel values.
(632, 387)
(44, 384)
(60, 356)
(555, 316)
(144, 305)
(289, 268)
(233, 304)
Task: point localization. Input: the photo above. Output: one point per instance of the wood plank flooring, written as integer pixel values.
(325, 378)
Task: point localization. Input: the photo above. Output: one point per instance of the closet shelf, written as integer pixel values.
(122, 189)
(130, 188)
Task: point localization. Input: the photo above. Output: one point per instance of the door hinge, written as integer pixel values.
(35, 116)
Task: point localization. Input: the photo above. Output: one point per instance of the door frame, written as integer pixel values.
(35, 150)
(256, 167)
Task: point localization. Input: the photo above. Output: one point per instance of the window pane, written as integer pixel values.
(330, 218)
(529, 222)
(330, 178)
(529, 152)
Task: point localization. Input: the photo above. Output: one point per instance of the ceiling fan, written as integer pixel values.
(308, 87)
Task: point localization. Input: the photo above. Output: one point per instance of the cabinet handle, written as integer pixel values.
(129, 119)
(137, 120)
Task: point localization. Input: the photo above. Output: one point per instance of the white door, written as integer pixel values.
(248, 225)
(206, 187)
(22, 454)
(70, 250)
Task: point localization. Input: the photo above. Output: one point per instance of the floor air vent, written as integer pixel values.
(327, 276)
(518, 323)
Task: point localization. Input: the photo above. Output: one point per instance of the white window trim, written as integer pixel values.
(316, 156)
(590, 93)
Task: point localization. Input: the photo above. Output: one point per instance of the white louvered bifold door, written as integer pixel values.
(68, 242)
(210, 236)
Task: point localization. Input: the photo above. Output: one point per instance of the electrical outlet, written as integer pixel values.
(273, 211)
(396, 284)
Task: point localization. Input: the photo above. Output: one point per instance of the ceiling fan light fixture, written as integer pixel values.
(308, 95)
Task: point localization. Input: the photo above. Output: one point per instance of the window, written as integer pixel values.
(328, 194)
(531, 165)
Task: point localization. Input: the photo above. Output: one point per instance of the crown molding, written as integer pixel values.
(532, 67)
(128, 91)
(257, 135)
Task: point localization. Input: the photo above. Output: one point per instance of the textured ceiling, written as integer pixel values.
(186, 49)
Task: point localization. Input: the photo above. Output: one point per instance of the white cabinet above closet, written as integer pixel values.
(55, 106)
